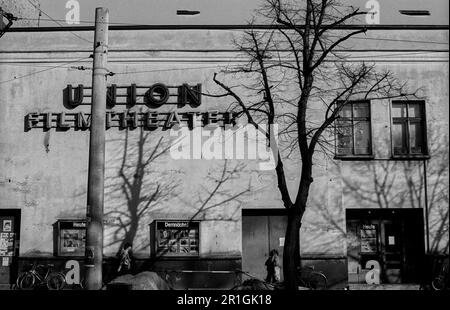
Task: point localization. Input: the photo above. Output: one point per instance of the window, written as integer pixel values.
(408, 128)
(353, 130)
(176, 238)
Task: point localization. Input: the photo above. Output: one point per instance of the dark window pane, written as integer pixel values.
(414, 110)
(416, 138)
(353, 129)
(399, 138)
(361, 109)
(346, 111)
(362, 138)
(344, 138)
(399, 110)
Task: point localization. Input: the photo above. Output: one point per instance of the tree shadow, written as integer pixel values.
(132, 172)
(380, 184)
(401, 184)
(142, 182)
(216, 201)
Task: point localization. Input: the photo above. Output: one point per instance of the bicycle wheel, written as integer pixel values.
(19, 278)
(82, 284)
(302, 284)
(438, 284)
(302, 281)
(26, 281)
(56, 281)
(318, 281)
(172, 277)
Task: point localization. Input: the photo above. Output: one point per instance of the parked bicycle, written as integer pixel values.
(307, 277)
(32, 278)
(254, 283)
(312, 279)
(171, 277)
(440, 282)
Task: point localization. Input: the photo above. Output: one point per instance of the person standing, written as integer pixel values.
(124, 256)
(273, 267)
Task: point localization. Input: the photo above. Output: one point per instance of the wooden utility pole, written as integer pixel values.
(96, 173)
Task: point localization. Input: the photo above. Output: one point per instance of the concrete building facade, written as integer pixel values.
(384, 208)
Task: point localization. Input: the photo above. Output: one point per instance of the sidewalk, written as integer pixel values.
(393, 287)
(5, 287)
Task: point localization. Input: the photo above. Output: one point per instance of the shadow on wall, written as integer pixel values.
(378, 184)
(138, 185)
(132, 173)
(385, 184)
(401, 184)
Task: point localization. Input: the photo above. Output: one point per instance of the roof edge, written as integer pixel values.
(219, 27)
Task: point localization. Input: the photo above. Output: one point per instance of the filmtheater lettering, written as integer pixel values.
(153, 97)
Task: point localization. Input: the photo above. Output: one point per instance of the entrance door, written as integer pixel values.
(392, 237)
(262, 231)
(392, 254)
(9, 244)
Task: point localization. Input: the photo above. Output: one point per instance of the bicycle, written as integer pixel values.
(33, 279)
(171, 277)
(255, 283)
(440, 282)
(312, 279)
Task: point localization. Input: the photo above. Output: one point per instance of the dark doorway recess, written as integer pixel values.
(9, 244)
(262, 231)
(392, 237)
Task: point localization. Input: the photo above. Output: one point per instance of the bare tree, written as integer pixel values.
(294, 77)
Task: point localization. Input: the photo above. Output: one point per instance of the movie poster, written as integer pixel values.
(369, 240)
(6, 244)
(73, 241)
(7, 225)
(177, 238)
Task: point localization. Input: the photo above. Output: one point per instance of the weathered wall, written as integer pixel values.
(45, 173)
(384, 183)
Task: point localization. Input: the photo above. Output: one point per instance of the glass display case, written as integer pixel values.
(70, 237)
(175, 238)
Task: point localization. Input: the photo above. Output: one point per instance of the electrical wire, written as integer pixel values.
(63, 66)
(236, 66)
(167, 70)
(210, 67)
(392, 40)
(43, 66)
(147, 25)
(58, 23)
(40, 71)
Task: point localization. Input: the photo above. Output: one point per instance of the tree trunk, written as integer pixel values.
(291, 254)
